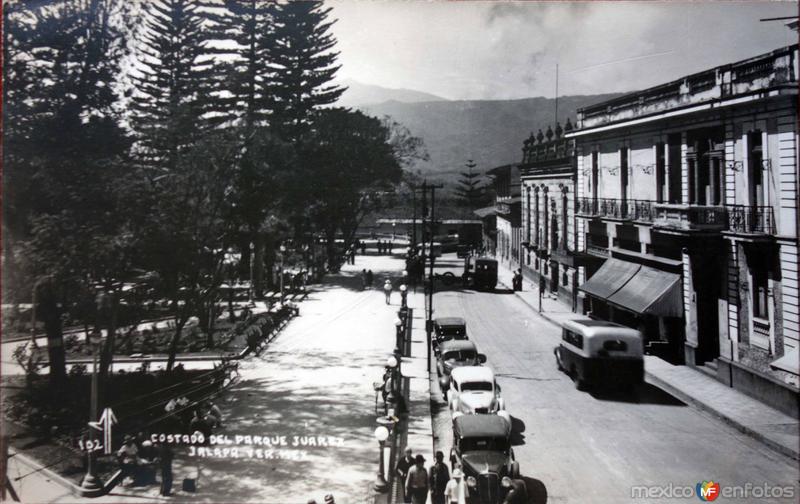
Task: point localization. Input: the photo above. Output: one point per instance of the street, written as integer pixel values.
(586, 446)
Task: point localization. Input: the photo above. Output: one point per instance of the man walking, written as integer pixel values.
(417, 481)
(401, 470)
(454, 491)
(387, 289)
(437, 479)
(165, 457)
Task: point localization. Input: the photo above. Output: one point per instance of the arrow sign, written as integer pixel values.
(107, 419)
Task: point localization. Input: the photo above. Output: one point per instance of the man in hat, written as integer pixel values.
(517, 493)
(387, 289)
(438, 478)
(454, 491)
(329, 499)
(402, 468)
(128, 456)
(417, 481)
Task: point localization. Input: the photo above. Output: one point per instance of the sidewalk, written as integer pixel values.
(774, 428)
(312, 387)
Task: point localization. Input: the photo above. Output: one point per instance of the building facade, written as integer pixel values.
(508, 243)
(687, 196)
(547, 175)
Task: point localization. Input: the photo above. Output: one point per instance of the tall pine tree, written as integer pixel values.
(470, 190)
(304, 64)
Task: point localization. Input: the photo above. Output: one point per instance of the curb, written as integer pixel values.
(695, 403)
(56, 478)
(701, 406)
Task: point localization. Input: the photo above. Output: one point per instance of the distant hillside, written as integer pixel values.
(491, 132)
(359, 94)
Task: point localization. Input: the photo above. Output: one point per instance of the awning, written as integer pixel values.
(651, 291)
(485, 211)
(789, 362)
(611, 276)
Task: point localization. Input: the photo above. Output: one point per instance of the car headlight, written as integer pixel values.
(471, 481)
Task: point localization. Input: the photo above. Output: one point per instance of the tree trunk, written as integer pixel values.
(258, 265)
(173, 346)
(107, 352)
(50, 312)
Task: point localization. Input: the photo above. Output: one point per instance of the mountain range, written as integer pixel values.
(490, 132)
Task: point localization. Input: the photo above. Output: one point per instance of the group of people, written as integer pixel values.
(385, 247)
(445, 488)
(366, 279)
(138, 456)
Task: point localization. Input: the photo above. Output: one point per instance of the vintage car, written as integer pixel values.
(449, 328)
(482, 447)
(473, 390)
(485, 275)
(597, 352)
(453, 354)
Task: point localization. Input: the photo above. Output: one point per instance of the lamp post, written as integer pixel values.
(381, 434)
(403, 297)
(283, 253)
(305, 265)
(398, 326)
(90, 481)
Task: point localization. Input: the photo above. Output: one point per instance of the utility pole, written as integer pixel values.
(432, 258)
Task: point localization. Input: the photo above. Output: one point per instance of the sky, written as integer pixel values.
(505, 50)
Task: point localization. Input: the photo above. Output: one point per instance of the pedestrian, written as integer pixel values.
(380, 247)
(363, 279)
(438, 476)
(128, 457)
(363, 247)
(387, 289)
(370, 278)
(517, 280)
(417, 481)
(391, 246)
(402, 468)
(329, 499)
(165, 457)
(199, 424)
(454, 491)
(353, 255)
(213, 414)
(517, 493)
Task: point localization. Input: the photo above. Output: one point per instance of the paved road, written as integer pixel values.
(590, 447)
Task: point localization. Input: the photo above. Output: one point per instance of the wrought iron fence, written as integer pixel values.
(640, 210)
(751, 219)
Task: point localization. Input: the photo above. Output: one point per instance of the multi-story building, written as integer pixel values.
(507, 210)
(547, 175)
(687, 191)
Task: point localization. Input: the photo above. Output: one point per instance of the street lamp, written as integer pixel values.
(398, 325)
(381, 434)
(90, 481)
(403, 297)
(283, 253)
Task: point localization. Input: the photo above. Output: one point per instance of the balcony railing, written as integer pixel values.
(690, 217)
(751, 219)
(638, 210)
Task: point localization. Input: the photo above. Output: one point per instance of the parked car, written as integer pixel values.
(482, 447)
(463, 251)
(597, 352)
(453, 354)
(473, 390)
(485, 275)
(449, 328)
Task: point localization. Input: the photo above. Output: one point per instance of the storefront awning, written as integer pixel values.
(790, 362)
(651, 291)
(611, 276)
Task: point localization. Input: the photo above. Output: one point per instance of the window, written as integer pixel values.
(661, 182)
(615, 346)
(623, 174)
(476, 386)
(595, 169)
(572, 338)
(528, 223)
(760, 293)
(755, 174)
(674, 152)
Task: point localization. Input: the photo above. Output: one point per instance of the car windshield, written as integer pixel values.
(460, 356)
(480, 443)
(476, 386)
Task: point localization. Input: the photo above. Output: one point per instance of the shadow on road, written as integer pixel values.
(537, 492)
(645, 394)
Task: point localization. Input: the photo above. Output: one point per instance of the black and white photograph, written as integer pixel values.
(400, 251)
